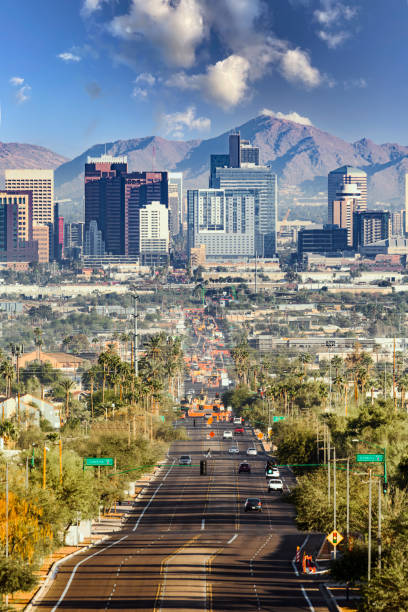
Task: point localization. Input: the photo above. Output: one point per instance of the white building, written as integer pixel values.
(41, 183)
(175, 187)
(154, 233)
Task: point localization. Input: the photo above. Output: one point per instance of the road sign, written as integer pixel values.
(275, 419)
(260, 435)
(210, 420)
(212, 434)
(335, 538)
(370, 458)
(95, 461)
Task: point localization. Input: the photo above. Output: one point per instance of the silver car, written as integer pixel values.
(234, 450)
(251, 451)
(185, 460)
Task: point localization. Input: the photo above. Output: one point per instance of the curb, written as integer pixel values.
(329, 599)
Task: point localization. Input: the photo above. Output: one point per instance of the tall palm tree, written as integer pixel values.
(92, 374)
(38, 340)
(67, 385)
(8, 373)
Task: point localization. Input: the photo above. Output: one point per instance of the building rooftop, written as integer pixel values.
(349, 170)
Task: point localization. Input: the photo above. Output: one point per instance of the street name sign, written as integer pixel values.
(96, 461)
(275, 419)
(370, 458)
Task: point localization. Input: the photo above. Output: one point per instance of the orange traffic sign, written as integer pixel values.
(260, 435)
(335, 538)
(212, 434)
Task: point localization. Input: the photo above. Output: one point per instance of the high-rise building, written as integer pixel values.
(327, 240)
(341, 209)
(225, 221)
(41, 234)
(398, 223)
(241, 153)
(265, 181)
(94, 244)
(345, 176)
(175, 200)
(217, 160)
(41, 183)
(249, 154)
(74, 235)
(406, 205)
(154, 233)
(16, 226)
(370, 226)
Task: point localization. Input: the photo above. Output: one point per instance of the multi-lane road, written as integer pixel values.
(188, 544)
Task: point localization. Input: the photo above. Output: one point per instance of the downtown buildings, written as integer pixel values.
(115, 201)
(236, 216)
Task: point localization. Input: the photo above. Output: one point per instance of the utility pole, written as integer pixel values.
(60, 460)
(7, 519)
(348, 503)
(328, 470)
(334, 497)
(256, 259)
(135, 352)
(369, 528)
(379, 524)
(44, 467)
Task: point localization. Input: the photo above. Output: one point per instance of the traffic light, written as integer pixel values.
(385, 488)
(334, 538)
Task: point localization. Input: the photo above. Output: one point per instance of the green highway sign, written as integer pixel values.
(275, 419)
(96, 461)
(370, 458)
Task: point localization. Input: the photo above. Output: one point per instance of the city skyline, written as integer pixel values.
(312, 61)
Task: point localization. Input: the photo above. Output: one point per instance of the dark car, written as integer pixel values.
(244, 468)
(253, 504)
(239, 431)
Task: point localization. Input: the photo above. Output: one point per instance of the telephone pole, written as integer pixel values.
(135, 352)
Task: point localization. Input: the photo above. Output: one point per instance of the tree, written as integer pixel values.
(388, 589)
(15, 575)
(38, 340)
(8, 431)
(67, 385)
(8, 373)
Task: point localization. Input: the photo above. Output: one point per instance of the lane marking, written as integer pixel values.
(98, 552)
(202, 524)
(234, 537)
(152, 497)
(306, 596)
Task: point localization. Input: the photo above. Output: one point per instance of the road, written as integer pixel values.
(188, 545)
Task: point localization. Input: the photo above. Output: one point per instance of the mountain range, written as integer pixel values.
(301, 155)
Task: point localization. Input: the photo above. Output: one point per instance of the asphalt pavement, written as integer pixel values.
(188, 545)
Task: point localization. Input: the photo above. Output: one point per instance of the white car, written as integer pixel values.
(272, 472)
(234, 450)
(237, 421)
(185, 460)
(275, 484)
(227, 435)
(251, 451)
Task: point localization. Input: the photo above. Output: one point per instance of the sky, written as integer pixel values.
(79, 72)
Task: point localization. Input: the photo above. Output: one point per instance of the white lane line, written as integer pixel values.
(152, 497)
(306, 596)
(203, 524)
(98, 552)
(234, 537)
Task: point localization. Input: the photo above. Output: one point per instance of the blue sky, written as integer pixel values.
(78, 72)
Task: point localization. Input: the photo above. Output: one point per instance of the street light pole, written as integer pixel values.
(135, 343)
(379, 525)
(328, 470)
(369, 528)
(334, 497)
(348, 502)
(7, 518)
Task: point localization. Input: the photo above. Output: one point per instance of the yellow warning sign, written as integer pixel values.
(335, 538)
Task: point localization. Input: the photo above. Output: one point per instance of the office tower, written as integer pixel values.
(140, 189)
(265, 181)
(248, 153)
(94, 244)
(241, 153)
(345, 176)
(41, 234)
(41, 183)
(16, 226)
(74, 235)
(175, 202)
(327, 240)
(57, 236)
(154, 233)
(234, 150)
(370, 226)
(406, 205)
(225, 221)
(398, 223)
(347, 201)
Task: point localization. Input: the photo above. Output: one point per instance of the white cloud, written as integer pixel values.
(359, 83)
(146, 77)
(175, 124)
(333, 17)
(16, 81)
(292, 116)
(173, 28)
(296, 67)
(139, 92)
(69, 57)
(90, 6)
(24, 90)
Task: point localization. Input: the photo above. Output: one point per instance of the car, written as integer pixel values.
(227, 435)
(239, 431)
(234, 450)
(244, 468)
(237, 421)
(253, 504)
(275, 484)
(185, 460)
(251, 451)
(272, 472)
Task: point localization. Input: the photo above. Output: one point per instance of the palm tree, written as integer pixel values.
(402, 387)
(38, 341)
(8, 373)
(92, 374)
(67, 385)
(305, 358)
